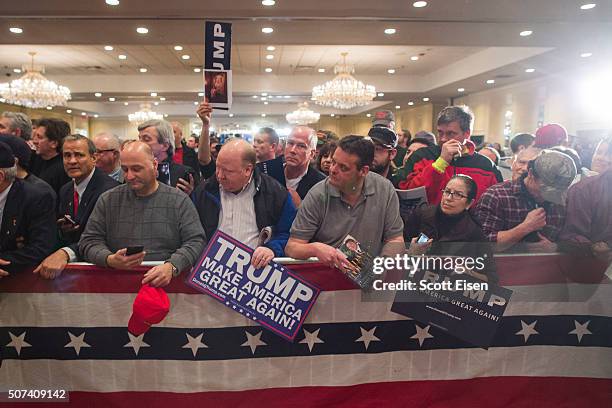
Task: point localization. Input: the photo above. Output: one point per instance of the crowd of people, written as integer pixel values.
(66, 197)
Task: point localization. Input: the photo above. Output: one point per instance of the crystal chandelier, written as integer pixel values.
(33, 90)
(344, 91)
(302, 116)
(145, 113)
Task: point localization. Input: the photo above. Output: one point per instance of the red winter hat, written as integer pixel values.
(550, 135)
(150, 307)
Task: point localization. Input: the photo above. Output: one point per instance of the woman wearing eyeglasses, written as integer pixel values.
(450, 228)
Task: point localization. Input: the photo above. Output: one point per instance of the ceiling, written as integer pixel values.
(459, 44)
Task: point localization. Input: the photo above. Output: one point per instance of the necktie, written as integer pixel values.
(75, 202)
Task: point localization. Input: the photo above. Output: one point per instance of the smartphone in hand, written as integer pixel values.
(131, 250)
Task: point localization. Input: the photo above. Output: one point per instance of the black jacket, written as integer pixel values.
(51, 171)
(177, 171)
(273, 207)
(312, 177)
(98, 184)
(28, 233)
(190, 157)
(458, 235)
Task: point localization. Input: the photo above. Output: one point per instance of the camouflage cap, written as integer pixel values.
(555, 171)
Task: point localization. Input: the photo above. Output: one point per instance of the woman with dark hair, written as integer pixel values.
(450, 228)
(324, 158)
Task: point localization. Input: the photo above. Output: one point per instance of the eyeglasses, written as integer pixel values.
(453, 194)
(105, 150)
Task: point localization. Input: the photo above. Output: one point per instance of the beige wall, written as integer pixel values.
(553, 99)
(75, 121)
(125, 129)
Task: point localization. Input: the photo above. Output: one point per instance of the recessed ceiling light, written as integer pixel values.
(269, 56)
(270, 48)
(197, 70)
(68, 110)
(154, 94)
(526, 33)
(380, 94)
(112, 99)
(263, 115)
(156, 103)
(178, 48)
(266, 102)
(490, 81)
(108, 48)
(125, 103)
(122, 57)
(267, 30)
(255, 96)
(419, 4)
(142, 30)
(460, 89)
(268, 69)
(587, 6)
(165, 115)
(161, 98)
(286, 96)
(313, 98)
(410, 103)
(414, 58)
(231, 115)
(185, 57)
(268, 2)
(391, 71)
(83, 114)
(368, 115)
(17, 70)
(264, 98)
(321, 70)
(98, 94)
(586, 54)
(16, 30)
(49, 107)
(143, 70)
(96, 116)
(426, 99)
(332, 115)
(390, 30)
(196, 103)
(397, 106)
(264, 94)
(200, 93)
(530, 70)
(112, 2)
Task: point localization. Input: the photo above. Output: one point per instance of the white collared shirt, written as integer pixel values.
(237, 215)
(3, 196)
(82, 186)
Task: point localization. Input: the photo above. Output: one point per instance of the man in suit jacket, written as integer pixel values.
(27, 232)
(77, 199)
(159, 136)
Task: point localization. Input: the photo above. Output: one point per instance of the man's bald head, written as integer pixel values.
(238, 149)
(107, 152)
(139, 168)
(306, 133)
(109, 140)
(235, 165)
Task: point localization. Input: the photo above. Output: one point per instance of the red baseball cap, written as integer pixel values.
(550, 135)
(150, 307)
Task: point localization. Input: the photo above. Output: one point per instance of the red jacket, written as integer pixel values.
(418, 172)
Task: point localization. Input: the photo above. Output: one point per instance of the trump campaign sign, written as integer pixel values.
(272, 296)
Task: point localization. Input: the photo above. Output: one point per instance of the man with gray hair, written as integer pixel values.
(108, 159)
(17, 124)
(27, 218)
(158, 134)
(434, 166)
(301, 147)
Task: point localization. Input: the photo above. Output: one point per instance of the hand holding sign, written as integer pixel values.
(261, 257)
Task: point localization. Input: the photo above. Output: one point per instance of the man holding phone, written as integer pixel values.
(434, 166)
(76, 201)
(161, 220)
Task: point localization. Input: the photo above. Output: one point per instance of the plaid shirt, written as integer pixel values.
(506, 205)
